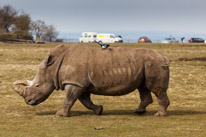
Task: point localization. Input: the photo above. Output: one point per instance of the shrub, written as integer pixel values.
(7, 36)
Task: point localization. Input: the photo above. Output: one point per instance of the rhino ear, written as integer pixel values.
(49, 60)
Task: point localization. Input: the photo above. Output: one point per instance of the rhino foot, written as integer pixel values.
(99, 110)
(160, 114)
(62, 113)
(140, 111)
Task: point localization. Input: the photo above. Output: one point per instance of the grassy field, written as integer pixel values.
(187, 93)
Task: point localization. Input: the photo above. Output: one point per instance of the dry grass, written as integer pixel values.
(187, 93)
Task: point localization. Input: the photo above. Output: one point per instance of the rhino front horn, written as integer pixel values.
(22, 82)
(20, 90)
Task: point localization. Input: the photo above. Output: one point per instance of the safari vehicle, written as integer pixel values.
(108, 38)
(88, 37)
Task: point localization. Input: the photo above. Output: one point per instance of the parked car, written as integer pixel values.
(170, 40)
(144, 39)
(196, 40)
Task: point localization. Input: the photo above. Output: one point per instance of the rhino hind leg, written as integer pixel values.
(86, 101)
(146, 99)
(163, 101)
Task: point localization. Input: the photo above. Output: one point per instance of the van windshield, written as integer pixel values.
(112, 36)
(118, 36)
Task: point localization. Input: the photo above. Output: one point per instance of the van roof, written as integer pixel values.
(89, 32)
(105, 34)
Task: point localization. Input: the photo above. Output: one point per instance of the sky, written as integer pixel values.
(116, 15)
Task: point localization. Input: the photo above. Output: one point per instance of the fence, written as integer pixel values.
(125, 40)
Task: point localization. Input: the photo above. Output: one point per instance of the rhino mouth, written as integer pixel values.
(33, 102)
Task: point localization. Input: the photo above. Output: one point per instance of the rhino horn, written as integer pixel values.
(23, 82)
(21, 91)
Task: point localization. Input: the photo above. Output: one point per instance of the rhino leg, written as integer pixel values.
(72, 94)
(86, 101)
(163, 101)
(146, 99)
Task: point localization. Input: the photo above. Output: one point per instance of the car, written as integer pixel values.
(170, 40)
(144, 39)
(196, 40)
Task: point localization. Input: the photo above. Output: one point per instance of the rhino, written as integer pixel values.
(82, 70)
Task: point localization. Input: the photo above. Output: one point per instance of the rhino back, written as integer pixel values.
(115, 71)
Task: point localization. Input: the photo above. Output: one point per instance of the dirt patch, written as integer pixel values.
(193, 59)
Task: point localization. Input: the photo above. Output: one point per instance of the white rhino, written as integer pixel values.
(82, 70)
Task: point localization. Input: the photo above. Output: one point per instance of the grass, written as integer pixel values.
(187, 93)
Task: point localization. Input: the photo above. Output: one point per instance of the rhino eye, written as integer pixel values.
(37, 85)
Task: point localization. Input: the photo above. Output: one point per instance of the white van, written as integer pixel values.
(108, 38)
(88, 37)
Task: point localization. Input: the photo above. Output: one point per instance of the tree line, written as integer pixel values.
(19, 25)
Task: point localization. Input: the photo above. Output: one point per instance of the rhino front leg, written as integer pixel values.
(146, 99)
(72, 94)
(86, 101)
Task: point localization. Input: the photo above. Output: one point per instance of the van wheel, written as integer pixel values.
(100, 41)
(81, 41)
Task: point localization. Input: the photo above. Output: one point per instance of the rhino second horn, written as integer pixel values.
(20, 91)
(23, 82)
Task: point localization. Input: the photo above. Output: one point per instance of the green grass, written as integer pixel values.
(187, 93)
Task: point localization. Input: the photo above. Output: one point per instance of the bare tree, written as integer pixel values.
(7, 17)
(50, 33)
(38, 27)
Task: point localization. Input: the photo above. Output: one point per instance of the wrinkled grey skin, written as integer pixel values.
(81, 71)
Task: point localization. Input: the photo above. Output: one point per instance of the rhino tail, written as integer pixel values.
(166, 61)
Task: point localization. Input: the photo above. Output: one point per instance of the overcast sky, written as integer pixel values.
(117, 15)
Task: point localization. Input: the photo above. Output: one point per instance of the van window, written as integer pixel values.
(94, 36)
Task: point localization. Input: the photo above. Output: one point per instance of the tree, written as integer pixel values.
(38, 27)
(50, 33)
(22, 26)
(7, 17)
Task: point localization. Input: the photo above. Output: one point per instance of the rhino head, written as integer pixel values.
(39, 89)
